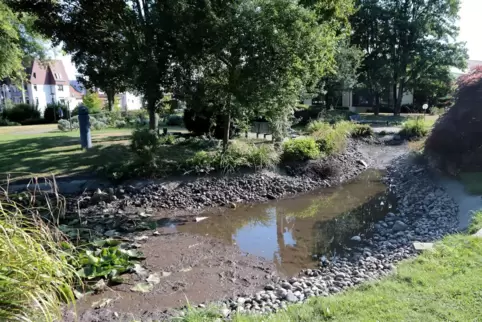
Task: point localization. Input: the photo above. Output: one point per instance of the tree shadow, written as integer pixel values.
(60, 155)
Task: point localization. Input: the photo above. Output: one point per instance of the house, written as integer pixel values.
(46, 83)
(130, 102)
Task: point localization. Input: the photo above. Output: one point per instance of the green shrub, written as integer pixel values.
(415, 128)
(263, 156)
(63, 125)
(51, 112)
(333, 140)
(167, 139)
(120, 124)
(5, 122)
(362, 131)
(315, 126)
(35, 272)
(300, 149)
(174, 120)
(21, 112)
(201, 161)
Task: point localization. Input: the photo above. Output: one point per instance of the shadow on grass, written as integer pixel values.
(58, 154)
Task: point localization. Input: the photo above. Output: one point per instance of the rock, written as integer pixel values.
(269, 287)
(241, 300)
(363, 163)
(111, 233)
(478, 234)
(422, 246)
(286, 285)
(356, 238)
(399, 226)
(225, 312)
(291, 297)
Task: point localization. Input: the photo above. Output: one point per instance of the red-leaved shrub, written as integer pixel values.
(455, 143)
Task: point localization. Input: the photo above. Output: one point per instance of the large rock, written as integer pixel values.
(399, 226)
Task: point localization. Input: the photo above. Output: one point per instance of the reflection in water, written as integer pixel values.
(294, 232)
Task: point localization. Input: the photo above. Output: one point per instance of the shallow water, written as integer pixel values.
(296, 232)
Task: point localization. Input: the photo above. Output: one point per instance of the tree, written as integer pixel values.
(93, 102)
(19, 44)
(260, 55)
(345, 75)
(404, 39)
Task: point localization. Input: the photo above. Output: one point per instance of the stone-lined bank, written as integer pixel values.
(425, 213)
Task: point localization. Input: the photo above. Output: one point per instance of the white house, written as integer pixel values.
(130, 102)
(46, 83)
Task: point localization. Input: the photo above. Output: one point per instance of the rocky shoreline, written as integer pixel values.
(425, 213)
(228, 191)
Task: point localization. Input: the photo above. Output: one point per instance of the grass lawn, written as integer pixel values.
(440, 285)
(395, 120)
(34, 150)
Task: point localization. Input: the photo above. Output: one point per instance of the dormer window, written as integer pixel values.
(57, 76)
(34, 75)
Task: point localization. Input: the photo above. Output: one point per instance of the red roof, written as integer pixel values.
(75, 93)
(49, 73)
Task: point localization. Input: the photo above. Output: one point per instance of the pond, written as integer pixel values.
(295, 233)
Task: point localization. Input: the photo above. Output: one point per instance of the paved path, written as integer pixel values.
(387, 129)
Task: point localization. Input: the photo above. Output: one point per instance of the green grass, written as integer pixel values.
(35, 273)
(476, 223)
(472, 182)
(439, 285)
(59, 153)
(395, 120)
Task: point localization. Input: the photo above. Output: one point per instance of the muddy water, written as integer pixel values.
(295, 233)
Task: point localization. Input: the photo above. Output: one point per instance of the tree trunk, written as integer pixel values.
(227, 124)
(23, 92)
(110, 100)
(376, 110)
(398, 101)
(151, 107)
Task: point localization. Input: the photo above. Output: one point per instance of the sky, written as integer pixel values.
(471, 26)
(470, 31)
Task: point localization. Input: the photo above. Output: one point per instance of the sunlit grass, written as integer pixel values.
(35, 272)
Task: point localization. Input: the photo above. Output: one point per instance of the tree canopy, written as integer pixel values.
(406, 42)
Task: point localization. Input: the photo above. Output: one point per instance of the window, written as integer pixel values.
(34, 75)
(35, 87)
(62, 101)
(56, 75)
(27, 100)
(61, 88)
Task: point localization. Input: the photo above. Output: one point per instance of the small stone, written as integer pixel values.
(241, 300)
(356, 238)
(399, 226)
(111, 233)
(362, 162)
(225, 312)
(269, 287)
(286, 285)
(232, 205)
(290, 297)
(422, 246)
(478, 234)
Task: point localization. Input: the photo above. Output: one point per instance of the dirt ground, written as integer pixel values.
(193, 270)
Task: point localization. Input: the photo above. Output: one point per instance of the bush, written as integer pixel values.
(5, 122)
(300, 149)
(315, 126)
(415, 128)
(120, 124)
(167, 139)
(362, 131)
(35, 273)
(51, 112)
(201, 161)
(455, 143)
(263, 156)
(34, 122)
(63, 125)
(21, 112)
(333, 139)
(96, 124)
(174, 120)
